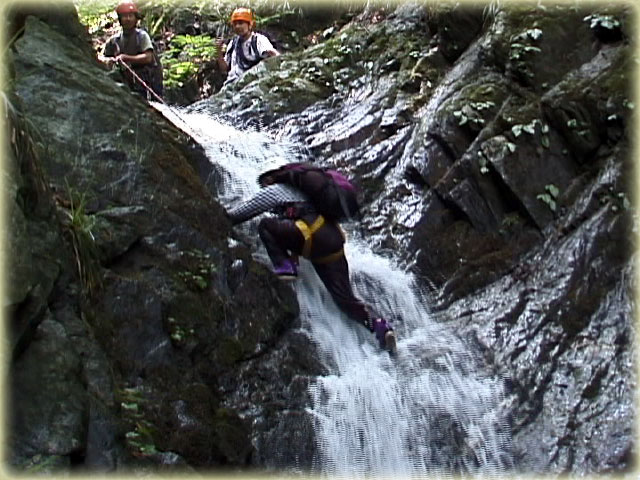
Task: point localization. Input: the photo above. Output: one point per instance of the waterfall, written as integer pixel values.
(432, 409)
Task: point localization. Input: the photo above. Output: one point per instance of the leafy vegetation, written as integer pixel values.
(550, 196)
(523, 46)
(608, 22)
(140, 435)
(80, 226)
(178, 332)
(197, 277)
(471, 112)
(184, 57)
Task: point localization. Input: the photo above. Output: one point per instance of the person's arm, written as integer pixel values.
(265, 200)
(143, 58)
(222, 63)
(265, 47)
(109, 52)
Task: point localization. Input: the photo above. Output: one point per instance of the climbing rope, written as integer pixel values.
(137, 77)
(149, 89)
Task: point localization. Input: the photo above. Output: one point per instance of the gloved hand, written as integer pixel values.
(265, 180)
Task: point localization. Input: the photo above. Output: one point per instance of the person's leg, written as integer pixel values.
(281, 236)
(335, 277)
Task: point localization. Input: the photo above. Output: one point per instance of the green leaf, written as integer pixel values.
(553, 190)
(546, 198)
(534, 33)
(132, 407)
(517, 130)
(545, 141)
(201, 283)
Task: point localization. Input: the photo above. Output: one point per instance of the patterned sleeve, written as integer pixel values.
(265, 200)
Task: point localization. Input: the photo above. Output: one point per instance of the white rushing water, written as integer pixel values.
(429, 410)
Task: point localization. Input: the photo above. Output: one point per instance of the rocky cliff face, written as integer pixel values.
(494, 153)
(493, 150)
(134, 314)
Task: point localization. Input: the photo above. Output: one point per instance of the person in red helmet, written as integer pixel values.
(134, 48)
(246, 50)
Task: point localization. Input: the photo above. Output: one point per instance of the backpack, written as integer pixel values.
(245, 63)
(330, 192)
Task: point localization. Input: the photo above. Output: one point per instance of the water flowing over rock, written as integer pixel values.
(492, 147)
(500, 172)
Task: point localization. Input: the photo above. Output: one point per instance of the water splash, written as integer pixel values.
(430, 410)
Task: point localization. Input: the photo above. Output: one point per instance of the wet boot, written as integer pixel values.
(286, 270)
(385, 335)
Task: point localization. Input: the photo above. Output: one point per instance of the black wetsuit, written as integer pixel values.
(281, 236)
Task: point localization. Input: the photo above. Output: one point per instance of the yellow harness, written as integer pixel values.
(307, 232)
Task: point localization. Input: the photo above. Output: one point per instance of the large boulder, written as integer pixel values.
(123, 278)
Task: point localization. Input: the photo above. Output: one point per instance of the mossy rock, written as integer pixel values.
(232, 436)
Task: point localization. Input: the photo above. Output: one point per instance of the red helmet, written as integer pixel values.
(126, 7)
(243, 14)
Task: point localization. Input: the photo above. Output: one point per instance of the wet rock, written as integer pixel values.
(493, 153)
(50, 404)
(502, 185)
(139, 382)
(455, 28)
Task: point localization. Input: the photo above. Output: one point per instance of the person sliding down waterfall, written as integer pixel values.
(309, 202)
